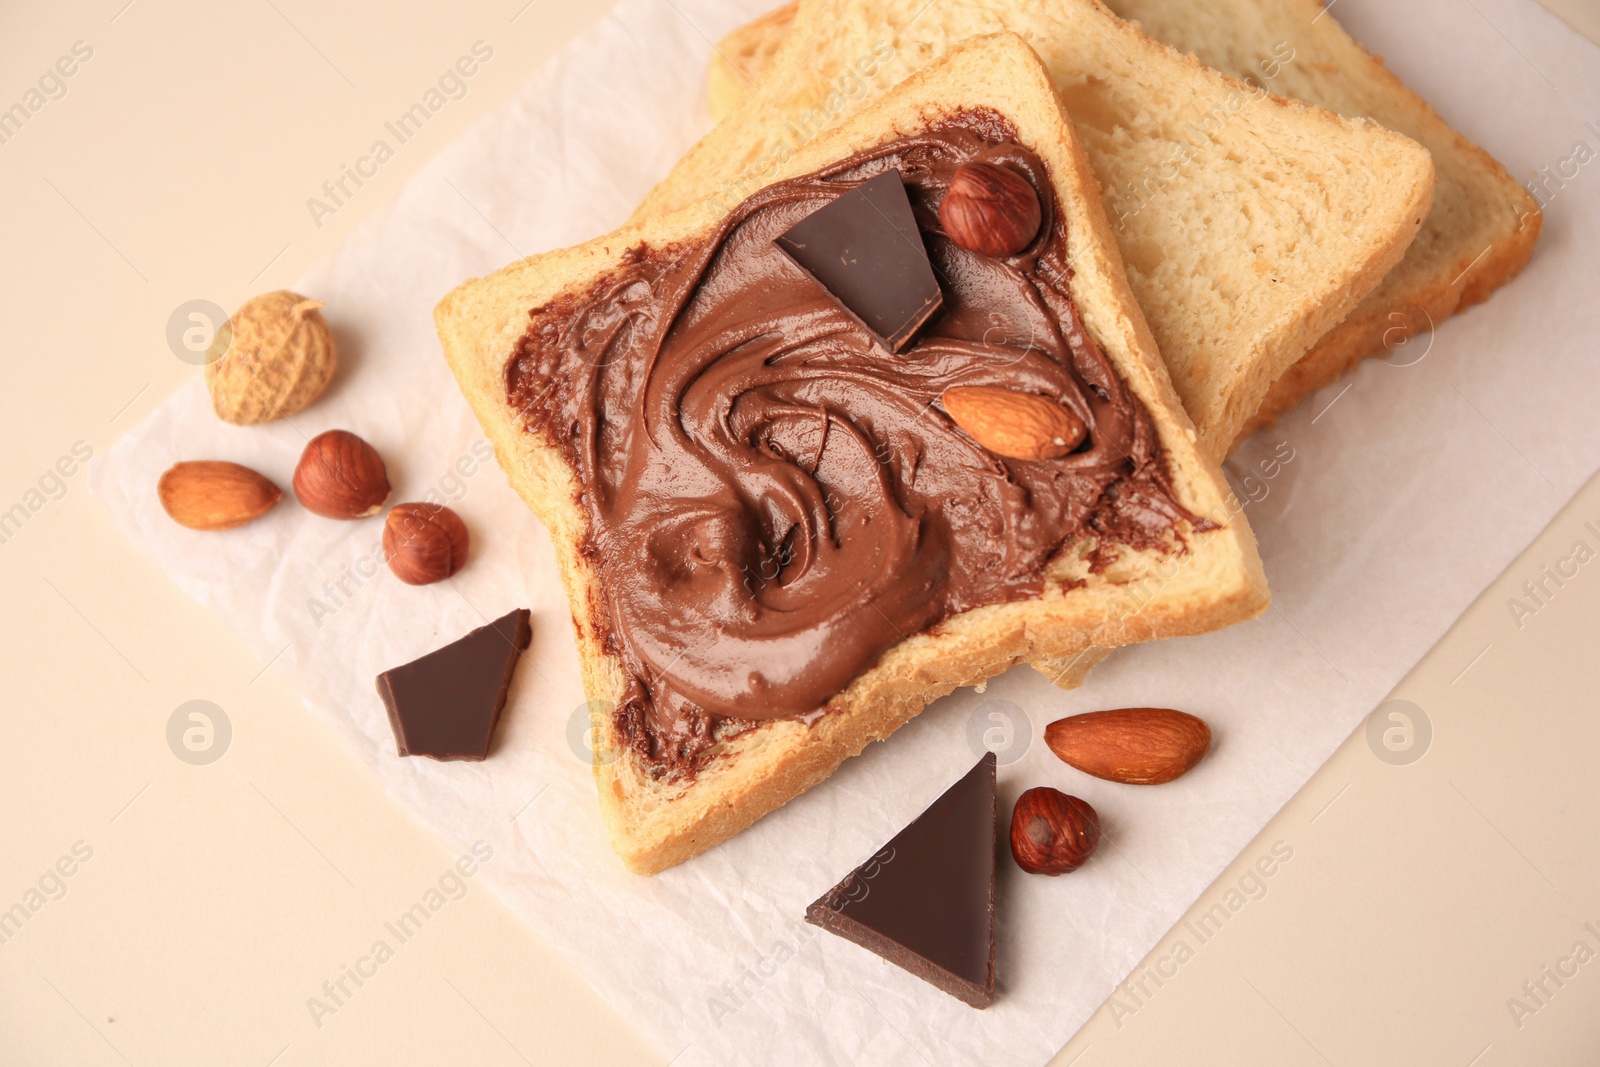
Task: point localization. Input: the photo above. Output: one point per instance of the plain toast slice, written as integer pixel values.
(1482, 226)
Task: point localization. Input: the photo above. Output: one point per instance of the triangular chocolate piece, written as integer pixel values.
(447, 703)
(925, 901)
(865, 249)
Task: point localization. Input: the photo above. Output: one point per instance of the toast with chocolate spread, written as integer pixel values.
(1249, 225)
(1478, 235)
(780, 535)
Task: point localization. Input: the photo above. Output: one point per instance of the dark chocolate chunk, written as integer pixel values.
(865, 250)
(447, 703)
(925, 901)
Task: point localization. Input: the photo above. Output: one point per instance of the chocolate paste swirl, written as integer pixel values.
(774, 499)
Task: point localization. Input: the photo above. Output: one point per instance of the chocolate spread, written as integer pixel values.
(773, 498)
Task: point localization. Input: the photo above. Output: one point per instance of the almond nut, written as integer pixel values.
(989, 209)
(1052, 833)
(1136, 746)
(215, 495)
(340, 476)
(424, 543)
(1014, 424)
(275, 356)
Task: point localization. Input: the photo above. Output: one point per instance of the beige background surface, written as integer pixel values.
(1419, 898)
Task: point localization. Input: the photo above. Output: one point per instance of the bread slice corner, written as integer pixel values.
(1479, 230)
(657, 822)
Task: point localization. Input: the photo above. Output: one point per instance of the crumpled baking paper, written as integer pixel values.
(1383, 506)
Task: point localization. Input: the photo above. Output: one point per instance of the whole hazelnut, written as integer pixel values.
(340, 476)
(990, 209)
(424, 543)
(1052, 833)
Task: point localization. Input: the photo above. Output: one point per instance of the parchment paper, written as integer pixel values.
(1407, 488)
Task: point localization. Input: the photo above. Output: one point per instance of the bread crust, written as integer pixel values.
(656, 823)
(1407, 305)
